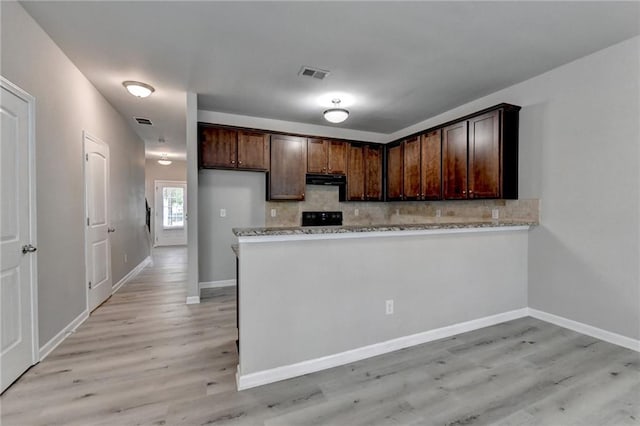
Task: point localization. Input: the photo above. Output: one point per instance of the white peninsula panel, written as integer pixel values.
(316, 301)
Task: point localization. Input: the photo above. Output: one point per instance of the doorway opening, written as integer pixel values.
(171, 213)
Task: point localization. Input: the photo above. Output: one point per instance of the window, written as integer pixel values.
(173, 207)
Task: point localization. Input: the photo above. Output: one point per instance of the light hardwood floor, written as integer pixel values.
(145, 357)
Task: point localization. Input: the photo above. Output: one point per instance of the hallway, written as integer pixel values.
(138, 357)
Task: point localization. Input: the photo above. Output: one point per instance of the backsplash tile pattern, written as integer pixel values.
(325, 198)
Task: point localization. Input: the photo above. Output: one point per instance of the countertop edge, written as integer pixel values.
(288, 234)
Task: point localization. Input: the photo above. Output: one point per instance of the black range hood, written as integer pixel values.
(326, 179)
(334, 180)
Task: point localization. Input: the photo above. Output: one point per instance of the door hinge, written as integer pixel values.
(89, 285)
(86, 156)
(87, 221)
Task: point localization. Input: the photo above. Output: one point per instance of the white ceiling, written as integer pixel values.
(402, 62)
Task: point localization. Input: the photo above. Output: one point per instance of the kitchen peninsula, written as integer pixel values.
(314, 298)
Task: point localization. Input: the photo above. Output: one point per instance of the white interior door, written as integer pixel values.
(19, 341)
(170, 215)
(97, 246)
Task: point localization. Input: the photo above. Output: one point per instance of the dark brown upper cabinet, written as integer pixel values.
(454, 161)
(431, 165)
(326, 156)
(288, 168)
(253, 150)
(218, 147)
(415, 174)
(232, 149)
(364, 173)
(373, 172)
(395, 186)
(411, 180)
(480, 156)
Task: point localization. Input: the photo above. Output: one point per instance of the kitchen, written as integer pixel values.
(563, 249)
(374, 236)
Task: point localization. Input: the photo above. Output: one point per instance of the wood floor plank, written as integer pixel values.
(147, 358)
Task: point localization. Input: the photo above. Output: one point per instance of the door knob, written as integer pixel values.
(28, 249)
(110, 230)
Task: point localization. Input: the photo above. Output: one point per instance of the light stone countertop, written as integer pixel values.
(319, 230)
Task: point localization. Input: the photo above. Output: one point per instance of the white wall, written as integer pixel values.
(242, 195)
(67, 104)
(579, 153)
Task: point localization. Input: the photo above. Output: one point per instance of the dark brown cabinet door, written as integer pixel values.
(454, 159)
(394, 172)
(431, 166)
(484, 156)
(218, 147)
(326, 156)
(356, 174)
(288, 167)
(373, 172)
(411, 169)
(317, 154)
(253, 150)
(337, 161)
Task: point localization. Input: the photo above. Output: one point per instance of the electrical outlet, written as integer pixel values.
(223, 212)
(125, 258)
(438, 213)
(389, 307)
(356, 212)
(397, 212)
(274, 212)
(495, 214)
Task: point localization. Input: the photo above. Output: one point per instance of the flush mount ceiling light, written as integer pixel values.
(336, 114)
(164, 160)
(136, 88)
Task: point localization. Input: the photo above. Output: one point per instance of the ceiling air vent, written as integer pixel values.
(317, 73)
(145, 121)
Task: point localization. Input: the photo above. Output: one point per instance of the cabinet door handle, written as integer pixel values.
(233, 161)
(239, 162)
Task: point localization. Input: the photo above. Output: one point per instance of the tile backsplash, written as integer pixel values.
(325, 198)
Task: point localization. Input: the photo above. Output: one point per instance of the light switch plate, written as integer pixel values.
(223, 212)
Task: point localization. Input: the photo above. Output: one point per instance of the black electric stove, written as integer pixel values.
(321, 218)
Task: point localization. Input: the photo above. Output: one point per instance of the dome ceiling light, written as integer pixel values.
(336, 114)
(138, 89)
(164, 160)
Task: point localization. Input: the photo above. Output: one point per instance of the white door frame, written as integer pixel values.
(86, 135)
(31, 104)
(156, 213)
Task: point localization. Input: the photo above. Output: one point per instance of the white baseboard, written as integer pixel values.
(589, 330)
(192, 300)
(132, 273)
(217, 284)
(48, 347)
(259, 378)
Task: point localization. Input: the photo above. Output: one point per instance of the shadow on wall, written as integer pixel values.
(558, 271)
(226, 199)
(533, 128)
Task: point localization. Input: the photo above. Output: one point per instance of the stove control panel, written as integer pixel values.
(321, 218)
